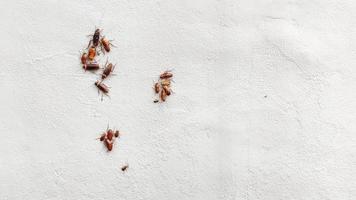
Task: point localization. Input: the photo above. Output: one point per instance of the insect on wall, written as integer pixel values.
(162, 87)
(109, 137)
(90, 60)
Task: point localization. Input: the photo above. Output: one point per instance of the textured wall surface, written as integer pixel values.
(264, 104)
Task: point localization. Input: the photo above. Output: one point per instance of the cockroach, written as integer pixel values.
(166, 82)
(156, 88)
(84, 58)
(167, 90)
(107, 70)
(102, 87)
(102, 137)
(91, 66)
(109, 134)
(106, 44)
(124, 168)
(108, 145)
(163, 95)
(117, 133)
(95, 39)
(166, 74)
(92, 53)
(156, 101)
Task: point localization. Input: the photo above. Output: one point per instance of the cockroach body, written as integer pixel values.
(91, 66)
(166, 75)
(102, 137)
(109, 134)
(92, 53)
(84, 58)
(167, 90)
(117, 133)
(124, 168)
(102, 87)
(163, 95)
(166, 82)
(107, 70)
(156, 88)
(106, 44)
(96, 38)
(108, 145)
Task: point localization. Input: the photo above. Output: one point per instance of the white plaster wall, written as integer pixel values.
(217, 137)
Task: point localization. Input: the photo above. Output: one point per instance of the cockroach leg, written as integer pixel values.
(89, 43)
(111, 44)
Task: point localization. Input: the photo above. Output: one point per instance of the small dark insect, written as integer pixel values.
(84, 58)
(108, 145)
(106, 44)
(166, 74)
(92, 53)
(163, 95)
(102, 87)
(156, 88)
(124, 168)
(107, 70)
(95, 39)
(102, 137)
(109, 134)
(117, 133)
(91, 66)
(155, 101)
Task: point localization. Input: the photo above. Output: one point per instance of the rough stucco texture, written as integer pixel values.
(263, 105)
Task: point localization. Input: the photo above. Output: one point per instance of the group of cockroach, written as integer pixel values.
(163, 86)
(97, 44)
(108, 138)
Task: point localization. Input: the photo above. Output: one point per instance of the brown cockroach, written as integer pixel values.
(156, 87)
(102, 87)
(166, 82)
(108, 145)
(109, 134)
(117, 133)
(84, 58)
(125, 167)
(102, 137)
(107, 70)
(92, 53)
(166, 74)
(167, 90)
(91, 66)
(163, 95)
(96, 38)
(106, 44)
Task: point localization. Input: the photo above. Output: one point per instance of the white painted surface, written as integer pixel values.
(217, 137)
